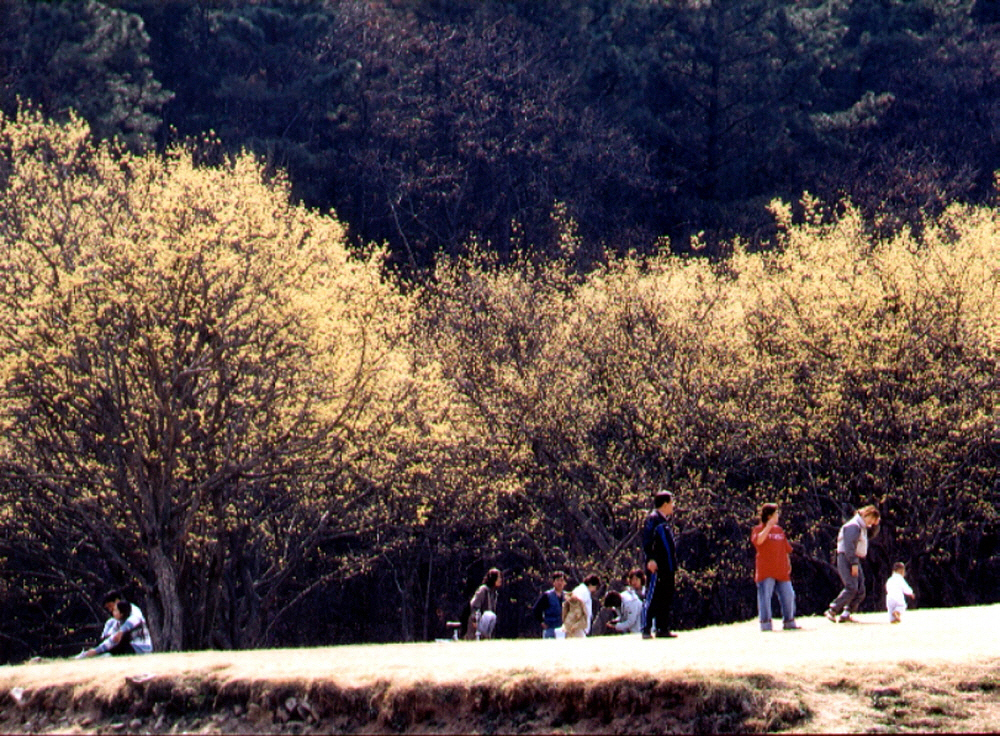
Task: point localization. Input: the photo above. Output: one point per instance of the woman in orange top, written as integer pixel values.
(773, 569)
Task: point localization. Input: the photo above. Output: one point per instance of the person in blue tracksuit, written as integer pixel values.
(661, 562)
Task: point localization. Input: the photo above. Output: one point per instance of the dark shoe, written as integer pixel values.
(665, 635)
(791, 627)
(646, 635)
(830, 615)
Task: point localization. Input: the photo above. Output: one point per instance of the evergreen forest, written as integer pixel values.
(312, 311)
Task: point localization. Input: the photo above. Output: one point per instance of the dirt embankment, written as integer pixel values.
(938, 671)
(520, 705)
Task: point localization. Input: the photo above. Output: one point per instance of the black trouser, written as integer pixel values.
(659, 603)
(124, 646)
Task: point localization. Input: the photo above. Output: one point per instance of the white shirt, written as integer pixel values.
(142, 640)
(111, 626)
(896, 588)
(583, 593)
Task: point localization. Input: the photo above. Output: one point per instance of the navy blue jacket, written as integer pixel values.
(658, 542)
(548, 609)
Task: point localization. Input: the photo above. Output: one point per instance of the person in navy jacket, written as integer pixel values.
(548, 608)
(661, 562)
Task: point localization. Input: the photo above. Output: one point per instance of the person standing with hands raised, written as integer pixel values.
(773, 568)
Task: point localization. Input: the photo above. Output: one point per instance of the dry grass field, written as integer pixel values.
(937, 671)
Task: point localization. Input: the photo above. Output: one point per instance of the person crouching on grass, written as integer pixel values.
(483, 618)
(114, 643)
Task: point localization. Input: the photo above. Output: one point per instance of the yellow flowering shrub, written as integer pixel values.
(207, 394)
(180, 346)
(830, 372)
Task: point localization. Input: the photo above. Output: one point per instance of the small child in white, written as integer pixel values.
(897, 590)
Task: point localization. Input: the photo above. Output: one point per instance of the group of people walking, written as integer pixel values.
(645, 605)
(773, 570)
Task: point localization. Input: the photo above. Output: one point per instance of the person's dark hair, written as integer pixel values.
(899, 567)
(661, 498)
(558, 575)
(124, 608)
(111, 596)
(613, 599)
(592, 579)
(767, 511)
(492, 577)
(636, 573)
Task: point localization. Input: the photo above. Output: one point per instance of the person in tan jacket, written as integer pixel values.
(578, 608)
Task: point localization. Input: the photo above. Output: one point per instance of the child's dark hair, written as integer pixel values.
(490, 581)
(558, 575)
(767, 511)
(636, 573)
(124, 608)
(613, 599)
(592, 579)
(899, 567)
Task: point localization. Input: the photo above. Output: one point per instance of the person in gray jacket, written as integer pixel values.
(852, 547)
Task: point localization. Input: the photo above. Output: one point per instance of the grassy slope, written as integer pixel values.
(939, 669)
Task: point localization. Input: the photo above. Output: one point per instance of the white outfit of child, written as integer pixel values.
(896, 590)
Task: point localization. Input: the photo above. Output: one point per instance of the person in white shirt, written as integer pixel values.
(632, 598)
(897, 590)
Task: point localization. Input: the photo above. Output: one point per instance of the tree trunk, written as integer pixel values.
(170, 637)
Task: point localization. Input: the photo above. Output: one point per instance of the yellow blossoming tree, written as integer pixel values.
(187, 360)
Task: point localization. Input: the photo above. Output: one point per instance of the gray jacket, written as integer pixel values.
(852, 541)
